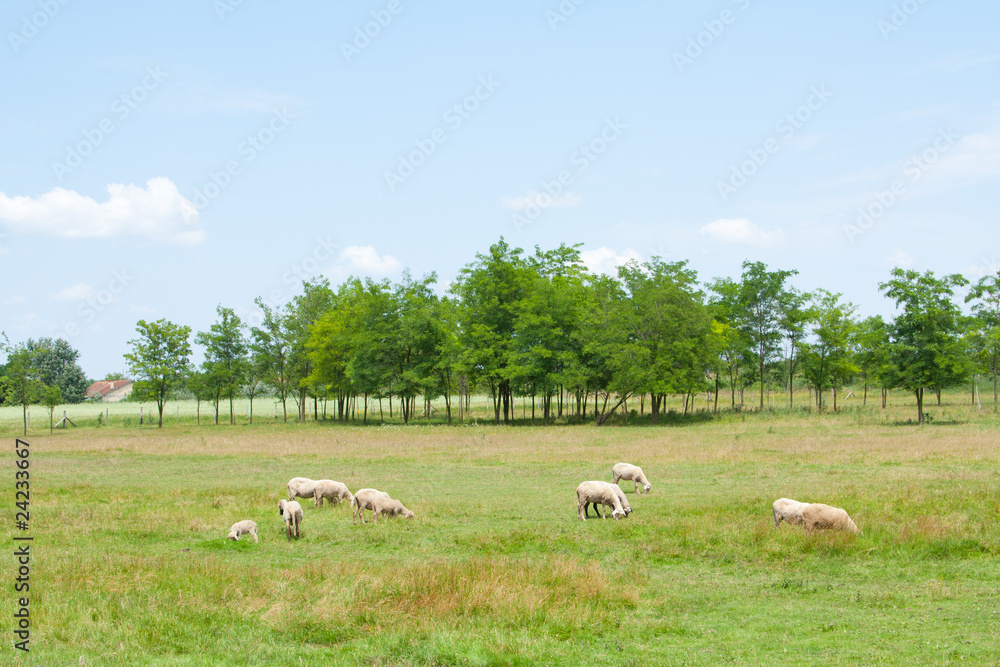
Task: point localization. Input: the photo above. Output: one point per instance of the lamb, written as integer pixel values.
(598, 493)
(818, 515)
(332, 491)
(388, 506)
(786, 509)
(292, 512)
(243, 528)
(300, 487)
(363, 500)
(630, 472)
(621, 498)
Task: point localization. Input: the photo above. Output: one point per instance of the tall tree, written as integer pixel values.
(926, 343)
(490, 291)
(24, 384)
(985, 296)
(57, 366)
(225, 364)
(301, 314)
(872, 356)
(159, 360)
(827, 359)
(269, 348)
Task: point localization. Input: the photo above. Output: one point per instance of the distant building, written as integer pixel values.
(109, 391)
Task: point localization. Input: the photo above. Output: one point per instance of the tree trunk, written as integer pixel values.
(920, 405)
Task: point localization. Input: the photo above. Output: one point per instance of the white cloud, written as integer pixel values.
(899, 258)
(78, 292)
(157, 211)
(606, 260)
(740, 231)
(540, 200)
(364, 259)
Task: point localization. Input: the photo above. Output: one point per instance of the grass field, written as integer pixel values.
(130, 565)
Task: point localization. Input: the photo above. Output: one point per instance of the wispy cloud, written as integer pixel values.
(155, 212)
(78, 292)
(606, 261)
(741, 231)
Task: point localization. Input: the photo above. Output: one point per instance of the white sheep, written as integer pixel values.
(632, 473)
(332, 491)
(300, 487)
(292, 512)
(621, 498)
(363, 500)
(243, 528)
(388, 506)
(788, 510)
(818, 515)
(598, 493)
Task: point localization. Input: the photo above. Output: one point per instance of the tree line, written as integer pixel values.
(540, 326)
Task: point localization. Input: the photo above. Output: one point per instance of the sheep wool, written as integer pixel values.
(788, 510)
(332, 491)
(632, 473)
(246, 527)
(363, 500)
(598, 493)
(300, 487)
(292, 513)
(824, 517)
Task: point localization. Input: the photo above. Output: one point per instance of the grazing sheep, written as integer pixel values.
(388, 506)
(818, 515)
(363, 501)
(332, 491)
(292, 512)
(598, 493)
(621, 498)
(630, 472)
(300, 487)
(786, 509)
(243, 528)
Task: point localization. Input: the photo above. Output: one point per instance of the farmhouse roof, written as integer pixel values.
(102, 388)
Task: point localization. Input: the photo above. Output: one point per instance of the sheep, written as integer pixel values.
(818, 515)
(300, 487)
(292, 512)
(598, 493)
(786, 509)
(388, 506)
(332, 491)
(630, 472)
(363, 501)
(243, 528)
(621, 498)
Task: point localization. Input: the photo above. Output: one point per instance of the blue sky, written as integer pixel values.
(160, 159)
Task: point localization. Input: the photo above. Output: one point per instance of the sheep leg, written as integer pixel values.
(615, 477)
(254, 533)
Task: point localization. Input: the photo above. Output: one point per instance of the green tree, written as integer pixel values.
(302, 313)
(827, 361)
(985, 296)
(24, 384)
(159, 361)
(225, 364)
(51, 398)
(56, 362)
(490, 291)
(269, 348)
(872, 355)
(926, 343)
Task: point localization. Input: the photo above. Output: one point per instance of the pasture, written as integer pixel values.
(131, 565)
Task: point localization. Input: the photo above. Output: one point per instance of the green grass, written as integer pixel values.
(131, 565)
